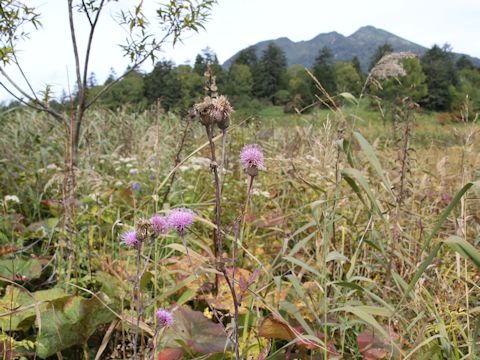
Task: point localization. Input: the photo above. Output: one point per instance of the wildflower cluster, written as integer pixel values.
(178, 219)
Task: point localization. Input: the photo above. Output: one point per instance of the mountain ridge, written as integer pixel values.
(362, 44)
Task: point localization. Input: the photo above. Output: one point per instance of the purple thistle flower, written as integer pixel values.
(181, 219)
(129, 238)
(164, 317)
(159, 224)
(252, 159)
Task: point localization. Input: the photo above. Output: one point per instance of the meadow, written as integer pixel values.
(357, 240)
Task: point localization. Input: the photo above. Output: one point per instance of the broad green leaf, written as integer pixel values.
(70, 321)
(18, 269)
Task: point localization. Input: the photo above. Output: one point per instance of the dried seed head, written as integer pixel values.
(215, 111)
(221, 112)
(143, 229)
(203, 109)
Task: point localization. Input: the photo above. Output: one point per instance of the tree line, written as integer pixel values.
(436, 80)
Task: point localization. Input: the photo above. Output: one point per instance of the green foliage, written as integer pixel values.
(438, 66)
(128, 91)
(412, 84)
(247, 56)
(324, 71)
(467, 93)
(270, 76)
(356, 64)
(70, 321)
(335, 245)
(162, 85)
(347, 78)
(239, 85)
(191, 86)
(208, 56)
(299, 86)
(15, 16)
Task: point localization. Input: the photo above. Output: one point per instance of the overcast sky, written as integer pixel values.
(235, 24)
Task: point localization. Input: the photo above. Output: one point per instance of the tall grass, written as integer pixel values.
(345, 270)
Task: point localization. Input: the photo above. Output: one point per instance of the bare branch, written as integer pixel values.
(33, 102)
(17, 63)
(90, 39)
(34, 105)
(86, 12)
(74, 43)
(83, 88)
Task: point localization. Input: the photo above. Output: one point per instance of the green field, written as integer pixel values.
(356, 241)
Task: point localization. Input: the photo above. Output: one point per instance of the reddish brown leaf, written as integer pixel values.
(170, 354)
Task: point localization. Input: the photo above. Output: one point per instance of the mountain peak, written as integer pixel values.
(362, 43)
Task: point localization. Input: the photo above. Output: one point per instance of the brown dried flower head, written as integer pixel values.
(221, 111)
(143, 229)
(215, 111)
(203, 109)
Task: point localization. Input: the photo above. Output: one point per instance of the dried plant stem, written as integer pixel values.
(136, 293)
(231, 284)
(400, 198)
(177, 160)
(217, 234)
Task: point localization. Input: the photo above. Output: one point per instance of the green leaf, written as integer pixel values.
(447, 211)
(70, 321)
(22, 306)
(19, 269)
(464, 248)
(437, 247)
(365, 313)
(353, 176)
(349, 97)
(372, 157)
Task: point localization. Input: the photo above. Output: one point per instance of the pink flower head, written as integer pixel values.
(129, 238)
(164, 317)
(159, 224)
(251, 157)
(181, 219)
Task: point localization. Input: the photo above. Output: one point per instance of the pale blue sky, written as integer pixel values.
(235, 24)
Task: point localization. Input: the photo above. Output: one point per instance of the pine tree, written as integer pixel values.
(270, 76)
(324, 70)
(439, 68)
(356, 65)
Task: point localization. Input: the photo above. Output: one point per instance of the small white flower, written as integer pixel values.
(133, 171)
(11, 198)
(261, 193)
(52, 167)
(95, 196)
